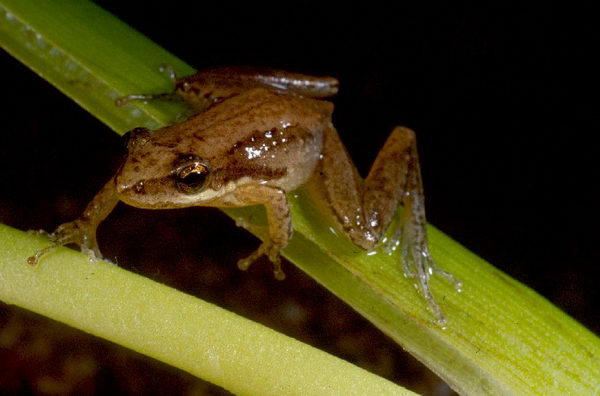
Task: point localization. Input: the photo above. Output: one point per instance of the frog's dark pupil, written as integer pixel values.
(194, 179)
(191, 178)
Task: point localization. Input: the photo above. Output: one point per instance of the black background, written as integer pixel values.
(503, 101)
(500, 97)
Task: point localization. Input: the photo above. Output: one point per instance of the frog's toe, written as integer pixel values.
(35, 259)
(449, 277)
(73, 232)
(93, 254)
(268, 250)
(418, 263)
(55, 237)
(277, 271)
(408, 265)
(279, 274)
(244, 264)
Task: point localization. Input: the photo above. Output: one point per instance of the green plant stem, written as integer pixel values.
(501, 338)
(242, 356)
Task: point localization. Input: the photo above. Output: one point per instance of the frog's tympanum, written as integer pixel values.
(257, 135)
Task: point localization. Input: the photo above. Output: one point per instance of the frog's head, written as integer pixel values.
(158, 175)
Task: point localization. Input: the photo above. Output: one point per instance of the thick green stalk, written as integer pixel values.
(501, 338)
(201, 338)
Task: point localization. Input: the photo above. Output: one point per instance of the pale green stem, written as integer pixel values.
(242, 356)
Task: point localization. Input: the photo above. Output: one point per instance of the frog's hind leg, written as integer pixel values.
(367, 211)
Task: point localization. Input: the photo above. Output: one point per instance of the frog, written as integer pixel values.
(255, 136)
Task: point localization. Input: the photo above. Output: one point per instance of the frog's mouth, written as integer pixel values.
(159, 193)
(145, 194)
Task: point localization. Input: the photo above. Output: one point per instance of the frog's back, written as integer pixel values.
(274, 138)
(235, 120)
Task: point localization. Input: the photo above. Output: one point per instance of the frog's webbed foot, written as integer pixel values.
(74, 232)
(394, 179)
(423, 267)
(417, 261)
(265, 249)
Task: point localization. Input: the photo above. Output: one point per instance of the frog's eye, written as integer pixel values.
(190, 174)
(135, 138)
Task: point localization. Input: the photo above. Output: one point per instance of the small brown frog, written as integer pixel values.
(257, 135)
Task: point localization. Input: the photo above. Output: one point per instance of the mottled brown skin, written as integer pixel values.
(257, 135)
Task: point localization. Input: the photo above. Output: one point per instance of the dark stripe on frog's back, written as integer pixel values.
(258, 138)
(201, 134)
(235, 164)
(238, 118)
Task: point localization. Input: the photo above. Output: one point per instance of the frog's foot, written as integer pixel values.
(270, 250)
(418, 263)
(170, 96)
(74, 232)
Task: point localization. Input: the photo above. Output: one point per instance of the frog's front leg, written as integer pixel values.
(164, 68)
(82, 231)
(365, 208)
(278, 217)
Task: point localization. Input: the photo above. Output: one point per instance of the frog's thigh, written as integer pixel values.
(277, 207)
(365, 208)
(393, 174)
(344, 188)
